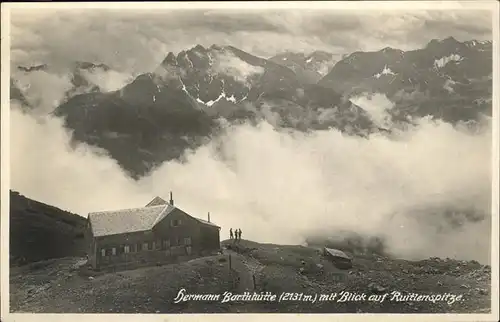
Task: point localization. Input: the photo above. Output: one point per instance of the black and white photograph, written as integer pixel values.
(250, 157)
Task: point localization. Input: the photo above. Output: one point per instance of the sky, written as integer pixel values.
(138, 42)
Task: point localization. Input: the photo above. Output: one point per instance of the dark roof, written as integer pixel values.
(205, 222)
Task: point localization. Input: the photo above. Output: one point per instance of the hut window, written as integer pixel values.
(113, 251)
(176, 241)
(176, 222)
(158, 244)
(187, 241)
(126, 249)
(145, 246)
(166, 244)
(103, 252)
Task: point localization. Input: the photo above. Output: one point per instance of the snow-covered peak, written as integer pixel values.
(385, 71)
(448, 85)
(471, 43)
(441, 62)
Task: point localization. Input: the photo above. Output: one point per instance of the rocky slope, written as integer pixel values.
(39, 231)
(63, 286)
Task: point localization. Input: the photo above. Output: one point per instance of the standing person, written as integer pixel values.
(231, 233)
(239, 233)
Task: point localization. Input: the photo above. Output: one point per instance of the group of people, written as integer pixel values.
(237, 234)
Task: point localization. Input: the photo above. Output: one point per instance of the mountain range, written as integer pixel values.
(447, 79)
(160, 114)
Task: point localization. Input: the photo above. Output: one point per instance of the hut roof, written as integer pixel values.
(131, 220)
(127, 220)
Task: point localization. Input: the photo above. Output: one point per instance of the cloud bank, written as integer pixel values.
(109, 80)
(34, 86)
(377, 106)
(229, 64)
(46, 89)
(283, 187)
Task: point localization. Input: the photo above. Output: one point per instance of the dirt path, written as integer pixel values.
(246, 267)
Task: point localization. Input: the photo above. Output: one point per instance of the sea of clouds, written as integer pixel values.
(285, 186)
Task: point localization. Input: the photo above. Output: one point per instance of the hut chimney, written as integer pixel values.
(208, 216)
(171, 199)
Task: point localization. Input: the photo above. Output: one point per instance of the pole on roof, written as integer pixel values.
(171, 199)
(209, 216)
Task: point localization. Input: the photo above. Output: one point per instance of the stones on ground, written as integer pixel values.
(482, 291)
(35, 290)
(339, 258)
(376, 288)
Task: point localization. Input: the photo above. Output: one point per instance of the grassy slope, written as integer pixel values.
(39, 231)
(55, 287)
